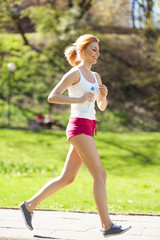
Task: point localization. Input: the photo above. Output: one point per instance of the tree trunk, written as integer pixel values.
(70, 3)
(84, 5)
(133, 13)
(149, 10)
(20, 29)
(147, 7)
(16, 22)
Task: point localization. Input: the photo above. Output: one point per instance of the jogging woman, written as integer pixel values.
(84, 87)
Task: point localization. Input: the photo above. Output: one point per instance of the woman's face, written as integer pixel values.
(91, 53)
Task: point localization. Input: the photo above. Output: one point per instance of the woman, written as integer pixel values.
(84, 87)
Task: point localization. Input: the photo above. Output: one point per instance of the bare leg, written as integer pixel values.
(72, 166)
(86, 147)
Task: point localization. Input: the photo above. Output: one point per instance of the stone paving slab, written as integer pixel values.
(74, 226)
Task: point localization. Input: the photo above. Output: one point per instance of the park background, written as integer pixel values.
(33, 36)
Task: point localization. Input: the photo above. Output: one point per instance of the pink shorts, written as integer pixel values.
(78, 126)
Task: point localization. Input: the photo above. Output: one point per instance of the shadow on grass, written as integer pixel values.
(143, 159)
(59, 133)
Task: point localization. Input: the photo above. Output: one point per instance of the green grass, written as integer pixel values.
(29, 159)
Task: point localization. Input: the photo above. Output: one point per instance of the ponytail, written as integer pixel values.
(71, 55)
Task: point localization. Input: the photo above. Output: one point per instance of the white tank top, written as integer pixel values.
(86, 109)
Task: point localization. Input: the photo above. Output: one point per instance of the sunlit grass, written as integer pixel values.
(132, 160)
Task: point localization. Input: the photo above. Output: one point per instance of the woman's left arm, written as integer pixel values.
(102, 97)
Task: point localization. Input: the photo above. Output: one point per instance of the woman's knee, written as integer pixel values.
(67, 179)
(105, 175)
(100, 176)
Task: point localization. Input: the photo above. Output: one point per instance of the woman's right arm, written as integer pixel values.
(69, 79)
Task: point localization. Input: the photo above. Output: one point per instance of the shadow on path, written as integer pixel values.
(45, 237)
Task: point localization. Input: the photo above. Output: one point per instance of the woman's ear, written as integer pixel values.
(82, 52)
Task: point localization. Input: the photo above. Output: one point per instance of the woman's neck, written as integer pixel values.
(86, 66)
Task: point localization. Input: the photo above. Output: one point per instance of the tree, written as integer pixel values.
(112, 12)
(10, 17)
(47, 15)
(143, 13)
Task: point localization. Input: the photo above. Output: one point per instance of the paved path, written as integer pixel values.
(74, 226)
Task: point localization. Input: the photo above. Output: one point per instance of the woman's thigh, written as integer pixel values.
(86, 147)
(72, 165)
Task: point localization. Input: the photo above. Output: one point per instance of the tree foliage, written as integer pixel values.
(10, 17)
(112, 12)
(144, 14)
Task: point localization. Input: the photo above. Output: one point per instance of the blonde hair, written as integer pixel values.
(72, 52)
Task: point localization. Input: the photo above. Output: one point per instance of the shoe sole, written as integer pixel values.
(111, 235)
(25, 218)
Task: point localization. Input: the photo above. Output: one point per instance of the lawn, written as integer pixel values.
(28, 159)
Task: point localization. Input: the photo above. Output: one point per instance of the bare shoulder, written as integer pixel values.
(72, 76)
(98, 77)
